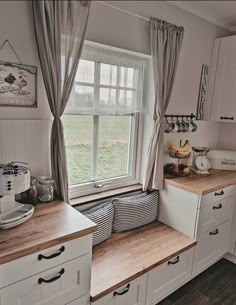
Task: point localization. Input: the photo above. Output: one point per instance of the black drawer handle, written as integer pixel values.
(174, 262)
(53, 279)
(214, 232)
(217, 207)
(126, 289)
(226, 118)
(219, 194)
(59, 252)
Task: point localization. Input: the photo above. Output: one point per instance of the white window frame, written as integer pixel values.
(110, 55)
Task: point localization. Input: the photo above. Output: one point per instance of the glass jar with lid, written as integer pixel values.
(45, 189)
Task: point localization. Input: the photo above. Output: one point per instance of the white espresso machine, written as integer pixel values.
(14, 179)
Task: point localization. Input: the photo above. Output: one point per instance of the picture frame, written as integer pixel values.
(18, 85)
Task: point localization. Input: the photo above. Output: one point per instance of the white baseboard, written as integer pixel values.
(230, 257)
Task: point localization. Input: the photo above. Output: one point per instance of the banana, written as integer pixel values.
(181, 151)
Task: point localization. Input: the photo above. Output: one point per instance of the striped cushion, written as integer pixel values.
(130, 213)
(102, 215)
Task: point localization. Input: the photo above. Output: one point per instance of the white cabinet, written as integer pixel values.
(211, 246)
(59, 275)
(56, 286)
(168, 277)
(223, 80)
(29, 265)
(133, 293)
(214, 214)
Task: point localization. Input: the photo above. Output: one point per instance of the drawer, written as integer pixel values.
(29, 265)
(168, 277)
(57, 286)
(85, 300)
(133, 293)
(211, 246)
(217, 195)
(215, 214)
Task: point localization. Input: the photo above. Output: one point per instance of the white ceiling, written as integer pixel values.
(222, 13)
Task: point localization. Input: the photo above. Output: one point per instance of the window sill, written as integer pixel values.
(105, 194)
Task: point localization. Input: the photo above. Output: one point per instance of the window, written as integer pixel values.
(101, 121)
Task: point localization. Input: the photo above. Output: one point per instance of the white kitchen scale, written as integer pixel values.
(201, 163)
(14, 179)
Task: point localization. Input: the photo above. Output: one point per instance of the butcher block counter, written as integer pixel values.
(204, 184)
(51, 224)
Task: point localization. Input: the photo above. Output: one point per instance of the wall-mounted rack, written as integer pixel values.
(191, 116)
(179, 123)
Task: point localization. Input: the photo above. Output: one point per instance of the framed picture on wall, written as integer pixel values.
(18, 85)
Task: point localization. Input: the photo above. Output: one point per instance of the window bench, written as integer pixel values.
(131, 255)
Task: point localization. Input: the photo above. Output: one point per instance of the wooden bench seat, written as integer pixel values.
(128, 255)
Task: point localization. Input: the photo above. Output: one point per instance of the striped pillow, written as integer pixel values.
(102, 215)
(132, 212)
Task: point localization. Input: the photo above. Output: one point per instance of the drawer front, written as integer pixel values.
(133, 293)
(29, 265)
(85, 300)
(211, 246)
(169, 276)
(217, 196)
(215, 214)
(59, 285)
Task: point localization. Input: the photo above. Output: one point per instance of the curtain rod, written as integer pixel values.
(122, 10)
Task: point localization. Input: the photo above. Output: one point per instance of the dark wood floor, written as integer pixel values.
(215, 286)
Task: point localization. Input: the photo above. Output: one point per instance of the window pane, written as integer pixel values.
(108, 74)
(78, 130)
(126, 77)
(85, 71)
(84, 96)
(107, 100)
(113, 146)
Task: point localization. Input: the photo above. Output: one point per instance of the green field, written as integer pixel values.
(112, 147)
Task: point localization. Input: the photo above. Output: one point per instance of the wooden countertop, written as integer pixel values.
(51, 224)
(128, 255)
(201, 185)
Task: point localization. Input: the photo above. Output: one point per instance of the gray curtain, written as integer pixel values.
(166, 40)
(59, 27)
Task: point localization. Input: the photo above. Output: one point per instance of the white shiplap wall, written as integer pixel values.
(28, 141)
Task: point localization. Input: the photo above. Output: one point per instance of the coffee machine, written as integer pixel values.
(14, 179)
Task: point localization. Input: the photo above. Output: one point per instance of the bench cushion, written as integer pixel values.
(102, 215)
(135, 211)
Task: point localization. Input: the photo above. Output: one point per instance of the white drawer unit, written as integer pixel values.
(133, 293)
(169, 276)
(215, 214)
(85, 300)
(29, 265)
(211, 246)
(217, 195)
(57, 286)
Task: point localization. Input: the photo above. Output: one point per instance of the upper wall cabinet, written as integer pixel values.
(222, 86)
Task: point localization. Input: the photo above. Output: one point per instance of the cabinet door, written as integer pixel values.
(56, 286)
(133, 293)
(168, 277)
(211, 246)
(224, 92)
(214, 214)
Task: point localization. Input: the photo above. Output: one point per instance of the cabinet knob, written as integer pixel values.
(53, 279)
(59, 252)
(126, 289)
(227, 118)
(219, 193)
